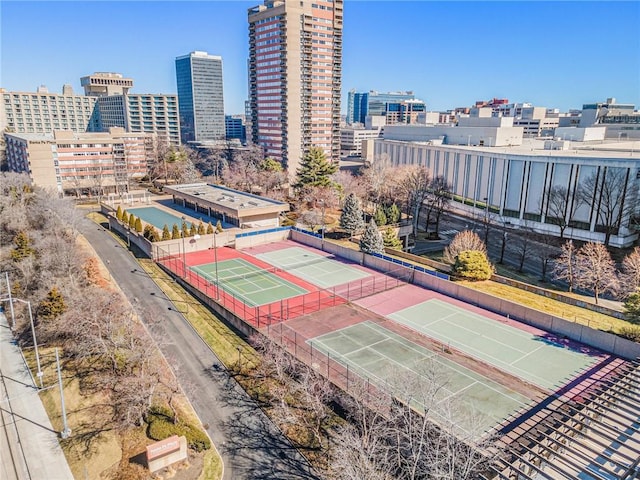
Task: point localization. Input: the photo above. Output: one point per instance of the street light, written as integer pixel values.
(35, 342)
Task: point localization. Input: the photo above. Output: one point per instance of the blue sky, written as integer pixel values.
(553, 54)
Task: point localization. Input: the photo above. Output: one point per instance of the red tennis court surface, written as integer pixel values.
(259, 316)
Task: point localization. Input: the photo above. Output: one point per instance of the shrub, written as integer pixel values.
(209, 229)
(473, 265)
(166, 234)
(380, 217)
(119, 213)
(632, 332)
(138, 225)
(161, 425)
(632, 307)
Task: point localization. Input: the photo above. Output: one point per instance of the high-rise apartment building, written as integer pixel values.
(146, 113)
(200, 97)
(360, 105)
(295, 71)
(42, 112)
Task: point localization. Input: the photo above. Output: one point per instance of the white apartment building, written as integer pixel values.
(43, 112)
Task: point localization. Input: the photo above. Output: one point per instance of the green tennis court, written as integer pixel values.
(383, 356)
(527, 356)
(252, 284)
(317, 269)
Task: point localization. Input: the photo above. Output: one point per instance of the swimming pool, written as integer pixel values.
(156, 217)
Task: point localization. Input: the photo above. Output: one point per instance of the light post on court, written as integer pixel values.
(215, 262)
(184, 252)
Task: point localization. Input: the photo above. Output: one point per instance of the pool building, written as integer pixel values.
(240, 209)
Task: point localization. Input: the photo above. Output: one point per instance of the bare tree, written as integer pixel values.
(463, 241)
(614, 196)
(436, 202)
(350, 183)
(595, 270)
(562, 205)
(564, 267)
(544, 253)
(522, 245)
(630, 274)
(414, 185)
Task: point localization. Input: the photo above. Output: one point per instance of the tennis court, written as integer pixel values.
(385, 357)
(157, 217)
(527, 356)
(320, 270)
(253, 285)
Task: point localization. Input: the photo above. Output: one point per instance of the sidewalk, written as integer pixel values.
(29, 447)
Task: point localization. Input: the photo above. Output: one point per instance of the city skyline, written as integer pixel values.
(450, 54)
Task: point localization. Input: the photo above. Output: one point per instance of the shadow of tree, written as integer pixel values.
(256, 442)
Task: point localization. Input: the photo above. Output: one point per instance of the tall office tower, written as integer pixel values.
(105, 83)
(372, 103)
(200, 97)
(295, 70)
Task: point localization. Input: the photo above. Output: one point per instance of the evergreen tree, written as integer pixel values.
(52, 306)
(351, 216)
(632, 307)
(315, 170)
(22, 248)
(391, 240)
(380, 217)
(147, 231)
(166, 234)
(125, 218)
(185, 229)
(219, 227)
(371, 241)
(154, 236)
(175, 233)
(473, 265)
(193, 231)
(119, 213)
(393, 214)
(209, 228)
(201, 229)
(138, 225)
(132, 221)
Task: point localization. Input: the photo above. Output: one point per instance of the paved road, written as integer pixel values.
(251, 446)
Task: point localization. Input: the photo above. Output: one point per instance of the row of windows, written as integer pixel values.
(269, 49)
(321, 7)
(267, 20)
(261, 71)
(268, 56)
(272, 33)
(268, 42)
(267, 27)
(269, 63)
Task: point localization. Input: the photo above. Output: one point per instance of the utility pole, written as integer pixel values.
(66, 431)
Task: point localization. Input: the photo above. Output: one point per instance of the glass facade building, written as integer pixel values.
(372, 103)
(200, 97)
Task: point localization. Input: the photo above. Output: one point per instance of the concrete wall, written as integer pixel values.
(246, 241)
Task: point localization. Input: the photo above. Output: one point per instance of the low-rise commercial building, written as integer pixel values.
(241, 209)
(513, 184)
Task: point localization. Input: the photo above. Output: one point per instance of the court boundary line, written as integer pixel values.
(491, 359)
(433, 355)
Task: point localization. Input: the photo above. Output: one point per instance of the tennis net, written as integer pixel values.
(224, 277)
(313, 261)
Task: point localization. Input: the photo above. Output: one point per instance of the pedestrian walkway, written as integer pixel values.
(29, 448)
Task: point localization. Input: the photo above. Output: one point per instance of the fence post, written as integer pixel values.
(295, 343)
(347, 378)
(328, 373)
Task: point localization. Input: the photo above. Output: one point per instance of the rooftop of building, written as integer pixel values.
(228, 197)
(614, 149)
(58, 135)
